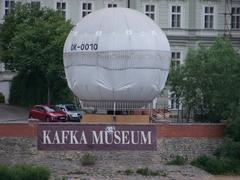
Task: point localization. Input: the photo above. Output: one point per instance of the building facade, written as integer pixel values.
(6, 77)
(185, 22)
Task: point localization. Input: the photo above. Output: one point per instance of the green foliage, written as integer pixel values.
(129, 172)
(148, 172)
(179, 160)
(27, 90)
(88, 159)
(230, 149)
(209, 81)
(225, 161)
(24, 172)
(212, 165)
(6, 173)
(32, 41)
(2, 98)
(218, 165)
(233, 124)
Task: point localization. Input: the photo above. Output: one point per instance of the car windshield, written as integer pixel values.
(72, 108)
(56, 108)
(48, 109)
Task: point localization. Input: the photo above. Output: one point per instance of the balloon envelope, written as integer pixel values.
(116, 55)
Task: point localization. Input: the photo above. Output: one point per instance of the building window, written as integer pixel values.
(35, 4)
(150, 11)
(208, 17)
(174, 101)
(112, 5)
(176, 60)
(2, 67)
(86, 9)
(8, 5)
(176, 16)
(235, 22)
(61, 6)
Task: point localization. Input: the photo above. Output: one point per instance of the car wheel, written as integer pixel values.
(47, 119)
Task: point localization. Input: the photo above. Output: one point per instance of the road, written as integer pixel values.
(10, 113)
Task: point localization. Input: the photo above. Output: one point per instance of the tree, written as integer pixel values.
(233, 125)
(32, 41)
(209, 81)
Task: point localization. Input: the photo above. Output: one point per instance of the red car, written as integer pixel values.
(45, 113)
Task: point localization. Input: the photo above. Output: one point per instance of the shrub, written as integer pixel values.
(200, 161)
(129, 172)
(218, 165)
(24, 172)
(5, 172)
(2, 98)
(148, 172)
(88, 159)
(233, 125)
(179, 160)
(229, 149)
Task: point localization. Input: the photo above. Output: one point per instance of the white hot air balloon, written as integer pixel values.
(116, 57)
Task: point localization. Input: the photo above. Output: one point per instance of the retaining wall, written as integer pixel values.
(19, 145)
(167, 130)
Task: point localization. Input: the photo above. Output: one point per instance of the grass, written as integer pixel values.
(24, 172)
(178, 160)
(88, 159)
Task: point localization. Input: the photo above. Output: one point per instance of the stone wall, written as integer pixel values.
(19, 146)
(187, 147)
(24, 150)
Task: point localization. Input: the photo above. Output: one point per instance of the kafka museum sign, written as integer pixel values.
(96, 137)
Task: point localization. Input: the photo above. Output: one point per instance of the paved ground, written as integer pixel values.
(10, 113)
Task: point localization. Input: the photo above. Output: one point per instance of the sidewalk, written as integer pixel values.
(9, 113)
